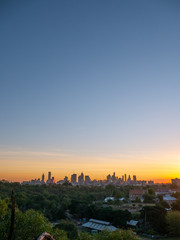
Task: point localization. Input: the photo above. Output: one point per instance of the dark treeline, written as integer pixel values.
(58, 203)
(55, 200)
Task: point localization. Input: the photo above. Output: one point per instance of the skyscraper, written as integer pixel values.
(87, 180)
(49, 176)
(42, 178)
(74, 178)
(134, 178)
(81, 179)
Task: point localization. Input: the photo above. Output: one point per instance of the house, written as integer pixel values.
(136, 193)
(112, 199)
(162, 191)
(132, 224)
(109, 199)
(169, 199)
(98, 225)
(175, 190)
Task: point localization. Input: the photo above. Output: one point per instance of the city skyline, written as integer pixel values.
(90, 86)
(84, 179)
(79, 177)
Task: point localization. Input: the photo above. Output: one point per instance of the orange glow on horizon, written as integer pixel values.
(24, 166)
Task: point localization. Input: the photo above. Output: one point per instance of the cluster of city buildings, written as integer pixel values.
(40, 181)
(86, 180)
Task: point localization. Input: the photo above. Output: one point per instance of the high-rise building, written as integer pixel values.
(109, 178)
(87, 180)
(113, 177)
(122, 178)
(42, 178)
(129, 179)
(134, 178)
(125, 177)
(81, 179)
(74, 178)
(49, 175)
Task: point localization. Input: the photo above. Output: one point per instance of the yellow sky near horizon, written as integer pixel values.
(27, 165)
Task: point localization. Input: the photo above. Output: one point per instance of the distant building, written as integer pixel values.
(112, 199)
(81, 179)
(162, 191)
(122, 179)
(176, 181)
(113, 177)
(87, 180)
(74, 178)
(169, 199)
(136, 193)
(98, 225)
(129, 179)
(175, 190)
(109, 178)
(132, 224)
(50, 180)
(49, 175)
(42, 178)
(150, 182)
(134, 178)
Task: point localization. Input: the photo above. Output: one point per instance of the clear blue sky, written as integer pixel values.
(90, 77)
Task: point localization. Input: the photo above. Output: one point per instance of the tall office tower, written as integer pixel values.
(42, 178)
(134, 178)
(81, 179)
(109, 178)
(49, 176)
(73, 178)
(125, 177)
(87, 180)
(129, 179)
(113, 177)
(122, 178)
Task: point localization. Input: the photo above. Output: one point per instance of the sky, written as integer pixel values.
(90, 86)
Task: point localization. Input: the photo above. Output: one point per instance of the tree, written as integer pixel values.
(30, 225)
(173, 222)
(3, 208)
(110, 190)
(176, 205)
(148, 198)
(156, 217)
(151, 192)
(68, 227)
(85, 236)
(59, 234)
(116, 235)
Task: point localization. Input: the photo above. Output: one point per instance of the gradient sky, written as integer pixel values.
(90, 86)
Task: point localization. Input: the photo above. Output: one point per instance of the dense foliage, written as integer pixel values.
(155, 217)
(38, 206)
(173, 222)
(30, 224)
(105, 235)
(54, 200)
